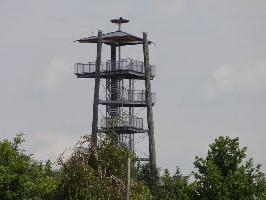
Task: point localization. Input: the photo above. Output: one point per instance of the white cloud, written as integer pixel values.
(50, 144)
(244, 79)
(169, 7)
(57, 71)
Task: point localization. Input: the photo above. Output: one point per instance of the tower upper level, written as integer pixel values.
(116, 38)
(115, 68)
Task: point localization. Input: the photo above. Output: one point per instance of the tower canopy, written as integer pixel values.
(117, 38)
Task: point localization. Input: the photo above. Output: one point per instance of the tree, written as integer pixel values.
(175, 187)
(98, 173)
(225, 174)
(20, 176)
(151, 177)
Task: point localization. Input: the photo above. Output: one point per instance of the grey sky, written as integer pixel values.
(211, 72)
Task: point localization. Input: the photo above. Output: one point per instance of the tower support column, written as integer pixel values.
(96, 91)
(114, 83)
(152, 153)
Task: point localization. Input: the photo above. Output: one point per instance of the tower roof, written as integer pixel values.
(117, 38)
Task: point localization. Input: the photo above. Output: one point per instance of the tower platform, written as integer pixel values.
(125, 68)
(129, 125)
(128, 98)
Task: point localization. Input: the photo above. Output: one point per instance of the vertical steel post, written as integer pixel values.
(128, 178)
(113, 68)
(130, 111)
(114, 89)
(149, 102)
(96, 90)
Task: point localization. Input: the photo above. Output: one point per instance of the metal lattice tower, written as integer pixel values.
(120, 96)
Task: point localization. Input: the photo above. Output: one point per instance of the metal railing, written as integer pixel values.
(109, 66)
(132, 96)
(86, 68)
(117, 122)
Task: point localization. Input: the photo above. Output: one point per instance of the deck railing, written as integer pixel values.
(86, 68)
(132, 96)
(109, 66)
(116, 122)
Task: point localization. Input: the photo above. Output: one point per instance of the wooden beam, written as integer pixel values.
(96, 91)
(149, 102)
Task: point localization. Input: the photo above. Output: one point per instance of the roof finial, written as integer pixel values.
(119, 22)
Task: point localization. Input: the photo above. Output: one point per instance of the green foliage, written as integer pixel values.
(20, 176)
(151, 177)
(225, 175)
(165, 187)
(175, 187)
(98, 173)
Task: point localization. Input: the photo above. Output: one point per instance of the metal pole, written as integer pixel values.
(149, 102)
(96, 91)
(130, 110)
(128, 178)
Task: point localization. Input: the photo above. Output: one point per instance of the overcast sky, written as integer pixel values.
(211, 72)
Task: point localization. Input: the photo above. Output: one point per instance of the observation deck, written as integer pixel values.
(130, 124)
(128, 98)
(125, 68)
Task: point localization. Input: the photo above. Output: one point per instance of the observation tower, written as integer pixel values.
(121, 98)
